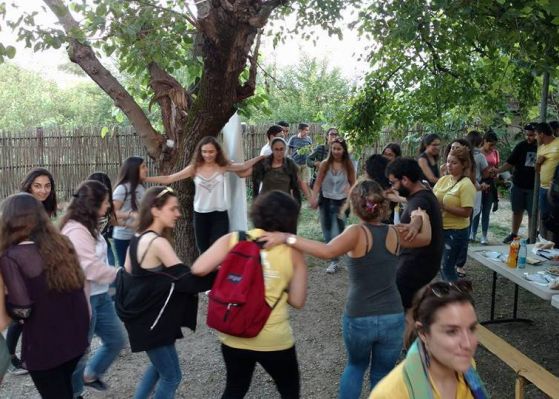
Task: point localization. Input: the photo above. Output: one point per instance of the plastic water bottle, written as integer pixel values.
(522, 253)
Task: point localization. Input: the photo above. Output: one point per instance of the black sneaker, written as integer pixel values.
(96, 384)
(16, 368)
(509, 238)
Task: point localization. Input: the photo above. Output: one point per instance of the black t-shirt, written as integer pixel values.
(523, 158)
(420, 265)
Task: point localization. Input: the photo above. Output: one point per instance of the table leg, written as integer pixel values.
(514, 318)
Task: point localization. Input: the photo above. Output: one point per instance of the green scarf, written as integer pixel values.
(416, 376)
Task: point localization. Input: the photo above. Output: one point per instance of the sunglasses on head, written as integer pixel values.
(166, 190)
(442, 288)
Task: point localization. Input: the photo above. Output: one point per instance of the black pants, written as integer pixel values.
(55, 383)
(14, 331)
(208, 227)
(281, 365)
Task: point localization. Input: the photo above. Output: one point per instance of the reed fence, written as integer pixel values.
(72, 155)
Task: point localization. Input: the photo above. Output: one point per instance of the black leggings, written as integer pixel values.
(281, 365)
(55, 383)
(14, 331)
(208, 227)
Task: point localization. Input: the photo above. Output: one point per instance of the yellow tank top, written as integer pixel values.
(278, 271)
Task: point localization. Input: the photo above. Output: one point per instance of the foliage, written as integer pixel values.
(29, 101)
(442, 65)
(310, 91)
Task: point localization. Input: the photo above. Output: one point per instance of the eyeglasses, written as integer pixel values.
(339, 140)
(166, 190)
(442, 288)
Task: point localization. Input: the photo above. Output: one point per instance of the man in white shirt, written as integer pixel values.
(273, 131)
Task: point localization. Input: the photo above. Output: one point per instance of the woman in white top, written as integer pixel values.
(336, 176)
(207, 167)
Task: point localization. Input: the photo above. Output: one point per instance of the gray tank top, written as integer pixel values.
(372, 279)
(334, 184)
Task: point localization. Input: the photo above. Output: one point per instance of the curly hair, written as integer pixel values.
(275, 211)
(50, 203)
(85, 205)
(463, 156)
(220, 158)
(368, 201)
(22, 218)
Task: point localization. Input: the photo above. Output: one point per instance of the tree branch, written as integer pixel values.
(247, 89)
(85, 57)
(190, 18)
(258, 21)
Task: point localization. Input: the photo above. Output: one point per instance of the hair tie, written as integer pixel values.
(370, 206)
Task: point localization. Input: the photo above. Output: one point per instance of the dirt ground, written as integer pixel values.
(321, 354)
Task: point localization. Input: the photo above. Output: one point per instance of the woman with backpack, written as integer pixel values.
(278, 172)
(336, 176)
(127, 195)
(207, 168)
(373, 321)
(285, 282)
(156, 294)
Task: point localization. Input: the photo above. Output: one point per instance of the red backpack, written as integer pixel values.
(237, 303)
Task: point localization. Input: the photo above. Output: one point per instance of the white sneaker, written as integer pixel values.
(332, 267)
(483, 240)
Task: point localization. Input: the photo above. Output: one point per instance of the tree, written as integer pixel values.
(309, 91)
(153, 39)
(433, 61)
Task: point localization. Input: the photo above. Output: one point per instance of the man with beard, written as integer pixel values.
(416, 266)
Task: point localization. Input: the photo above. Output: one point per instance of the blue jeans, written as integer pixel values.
(486, 205)
(331, 222)
(374, 338)
(455, 240)
(163, 374)
(121, 246)
(107, 326)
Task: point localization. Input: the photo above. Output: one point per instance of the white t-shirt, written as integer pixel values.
(266, 150)
(122, 193)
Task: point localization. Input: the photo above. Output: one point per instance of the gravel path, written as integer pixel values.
(320, 348)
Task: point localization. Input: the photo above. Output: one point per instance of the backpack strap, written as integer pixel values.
(277, 300)
(242, 235)
(367, 249)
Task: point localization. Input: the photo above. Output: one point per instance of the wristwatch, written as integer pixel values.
(291, 240)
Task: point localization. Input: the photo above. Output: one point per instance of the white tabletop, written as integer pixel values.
(514, 274)
(555, 301)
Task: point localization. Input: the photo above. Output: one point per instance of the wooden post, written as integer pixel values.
(40, 145)
(536, 196)
(519, 386)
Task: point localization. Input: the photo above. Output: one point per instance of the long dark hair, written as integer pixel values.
(198, 160)
(50, 203)
(85, 205)
(346, 160)
(155, 197)
(22, 217)
(426, 141)
(104, 178)
(130, 173)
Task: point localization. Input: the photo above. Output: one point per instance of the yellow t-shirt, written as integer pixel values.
(452, 193)
(278, 271)
(393, 387)
(551, 153)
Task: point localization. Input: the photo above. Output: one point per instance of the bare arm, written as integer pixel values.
(242, 166)
(423, 164)
(297, 294)
(322, 169)
(181, 175)
(423, 238)
(212, 258)
(338, 246)
(506, 166)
